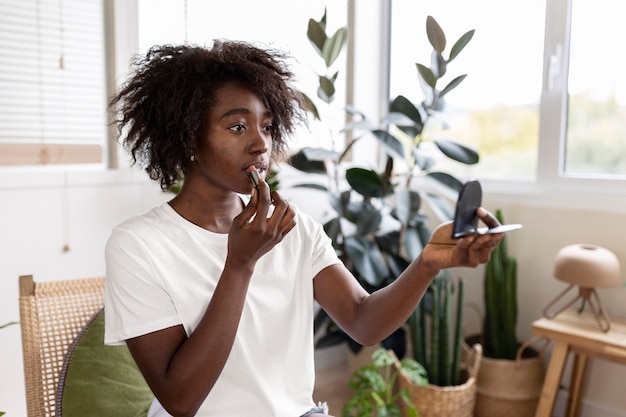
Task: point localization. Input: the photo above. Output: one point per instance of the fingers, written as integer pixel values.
(263, 200)
(255, 214)
(479, 249)
(284, 216)
(487, 217)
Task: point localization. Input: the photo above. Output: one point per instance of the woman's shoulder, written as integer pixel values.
(157, 215)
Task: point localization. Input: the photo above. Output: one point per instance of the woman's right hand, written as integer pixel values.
(254, 233)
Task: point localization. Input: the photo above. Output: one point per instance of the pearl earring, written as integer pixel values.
(192, 158)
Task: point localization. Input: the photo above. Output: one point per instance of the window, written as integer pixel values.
(52, 82)
(496, 108)
(596, 113)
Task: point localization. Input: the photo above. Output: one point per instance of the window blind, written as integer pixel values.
(52, 82)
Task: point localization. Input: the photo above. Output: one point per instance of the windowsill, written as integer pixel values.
(597, 195)
(593, 195)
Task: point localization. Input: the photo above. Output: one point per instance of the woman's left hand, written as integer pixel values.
(444, 252)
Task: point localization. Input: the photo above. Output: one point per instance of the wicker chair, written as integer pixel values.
(52, 314)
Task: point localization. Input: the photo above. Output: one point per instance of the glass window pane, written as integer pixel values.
(496, 108)
(596, 127)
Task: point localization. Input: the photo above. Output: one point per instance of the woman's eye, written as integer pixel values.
(269, 128)
(237, 128)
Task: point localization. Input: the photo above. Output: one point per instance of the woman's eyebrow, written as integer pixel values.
(242, 110)
(231, 112)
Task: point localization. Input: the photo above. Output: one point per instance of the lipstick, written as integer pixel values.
(254, 175)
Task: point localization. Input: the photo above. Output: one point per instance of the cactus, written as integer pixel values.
(443, 337)
(500, 341)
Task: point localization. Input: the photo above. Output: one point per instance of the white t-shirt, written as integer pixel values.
(161, 271)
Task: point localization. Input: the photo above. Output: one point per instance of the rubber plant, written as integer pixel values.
(374, 386)
(367, 201)
(500, 292)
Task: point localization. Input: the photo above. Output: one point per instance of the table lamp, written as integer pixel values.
(587, 267)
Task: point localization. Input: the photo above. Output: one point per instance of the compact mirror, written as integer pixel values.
(465, 217)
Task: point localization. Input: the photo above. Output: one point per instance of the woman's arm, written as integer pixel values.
(368, 319)
(181, 371)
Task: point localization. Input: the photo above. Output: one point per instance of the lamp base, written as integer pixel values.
(588, 296)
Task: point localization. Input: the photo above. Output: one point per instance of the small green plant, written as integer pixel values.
(374, 386)
(2, 326)
(328, 48)
(500, 340)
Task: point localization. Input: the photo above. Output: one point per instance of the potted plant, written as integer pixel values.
(379, 225)
(437, 343)
(374, 386)
(511, 373)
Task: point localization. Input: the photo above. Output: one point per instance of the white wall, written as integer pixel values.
(40, 214)
(551, 223)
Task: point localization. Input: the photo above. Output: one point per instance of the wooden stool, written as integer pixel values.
(577, 333)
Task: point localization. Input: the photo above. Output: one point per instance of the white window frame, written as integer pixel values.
(551, 188)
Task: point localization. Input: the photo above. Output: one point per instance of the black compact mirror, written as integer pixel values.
(465, 216)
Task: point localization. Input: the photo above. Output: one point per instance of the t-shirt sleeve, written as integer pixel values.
(135, 298)
(323, 253)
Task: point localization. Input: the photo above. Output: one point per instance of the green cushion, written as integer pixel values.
(98, 380)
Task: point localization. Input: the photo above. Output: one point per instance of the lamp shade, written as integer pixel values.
(588, 266)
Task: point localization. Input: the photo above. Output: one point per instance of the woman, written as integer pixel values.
(214, 291)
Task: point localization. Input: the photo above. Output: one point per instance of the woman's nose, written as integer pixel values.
(260, 141)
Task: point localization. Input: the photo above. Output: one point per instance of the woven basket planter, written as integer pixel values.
(452, 401)
(510, 387)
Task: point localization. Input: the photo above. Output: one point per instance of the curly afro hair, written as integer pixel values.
(163, 106)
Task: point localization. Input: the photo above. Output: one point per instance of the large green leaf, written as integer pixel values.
(422, 159)
(365, 182)
(441, 206)
(413, 241)
(397, 264)
(460, 153)
(389, 242)
(414, 371)
(319, 154)
(317, 35)
(333, 46)
(402, 122)
(367, 260)
(312, 160)
(340, 201)
(333, 230)
(368, 220)
(443, 178)
(436, 37)
(427, 75)
(451, 85)
(460, 44)
(391, 144)
(403, 105)
(326, 90)
(408, 204)
(300, 162)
